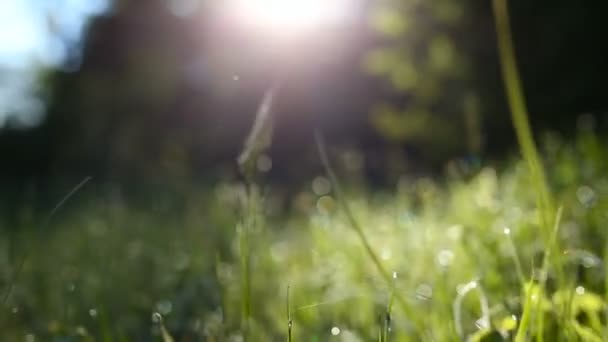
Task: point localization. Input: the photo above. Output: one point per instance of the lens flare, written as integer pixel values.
(291, 16)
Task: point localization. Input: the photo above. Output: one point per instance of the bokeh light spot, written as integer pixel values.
(289, 16)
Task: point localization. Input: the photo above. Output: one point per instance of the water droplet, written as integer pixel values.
(482, 323)
(264, 163)
(353, 161)
(81, 331)
(326, 204)
(445, 257)
(236, 78)
(386, 254)
(590, 261)
(30, 338)
(515, 213)
(454, 232)
(580, 290)
(164, 307)
(424, 292)
(394, 275)
(71, 287)
(93, 313)
(586, 196)
(15, 310)
(157, 318)
(539, 274)
(321, 186)
(507, 231)
(335, 331)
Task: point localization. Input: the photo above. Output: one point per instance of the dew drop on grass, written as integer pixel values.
(93, 313)
(507, 231)
(335, 331)
(157, 318)
(386, 253)
(445, 257)
(164, 307)
(590, 261)
(515, 213)
(424, 292)
(321, 186)
(81, 331)
(264, 163)
(353, 161)
(325, 205)
(580, 290)
(30, 338)
(586, 196)
(15, 310)
(482, 323)
(454, 232)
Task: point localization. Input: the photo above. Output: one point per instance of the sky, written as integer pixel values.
(35, 34)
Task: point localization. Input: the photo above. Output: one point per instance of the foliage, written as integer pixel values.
(466, 259)
(111, 265)
(423, 60)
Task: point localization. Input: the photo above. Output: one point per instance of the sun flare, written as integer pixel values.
(286, 16)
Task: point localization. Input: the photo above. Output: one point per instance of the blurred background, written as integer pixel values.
(156, 92)
(154, 100)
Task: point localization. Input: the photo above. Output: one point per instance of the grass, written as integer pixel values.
(482, 255)
(104, 267)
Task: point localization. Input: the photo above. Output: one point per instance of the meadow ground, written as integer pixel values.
(463, 255)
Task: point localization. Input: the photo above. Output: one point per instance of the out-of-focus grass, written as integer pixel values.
(102, 271)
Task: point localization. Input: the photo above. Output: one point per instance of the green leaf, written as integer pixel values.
(388, 22)
(380, 61)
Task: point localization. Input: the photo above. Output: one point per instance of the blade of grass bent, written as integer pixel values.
(337, 189)
(20, 266)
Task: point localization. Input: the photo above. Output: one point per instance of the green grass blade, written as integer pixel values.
(289, 321)
(340, 197)
(543, 275)
(17, 273)
(519, 114)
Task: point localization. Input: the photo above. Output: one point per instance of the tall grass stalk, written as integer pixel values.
(289, 321)
(605, 330)
(257, 142)
(516, 260)
(158, 319)
(540, 323)
(484, 306)
(17, 273)
(386, 327)
(520, 117)
(521, 123)
(245, 263)
(356, 227)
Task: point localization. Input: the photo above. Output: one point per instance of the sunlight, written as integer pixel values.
(291, 16)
